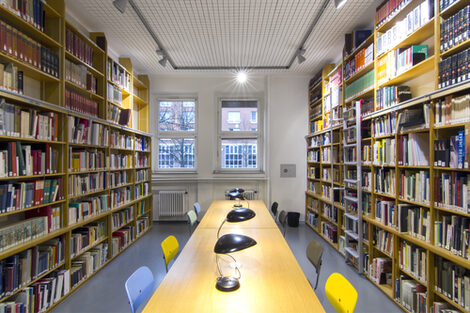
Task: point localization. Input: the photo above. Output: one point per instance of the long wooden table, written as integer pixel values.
(272, 280)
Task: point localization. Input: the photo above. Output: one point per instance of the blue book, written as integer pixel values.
(461, 149)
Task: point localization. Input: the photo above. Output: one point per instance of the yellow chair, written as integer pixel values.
(341, 294)
(170, 249)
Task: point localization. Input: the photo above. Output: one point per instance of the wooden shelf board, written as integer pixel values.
(119, 186)
(121, 149)
(33, 207)
(451, 211)
(423, 130)
(328, 219)
(139, 100)
(84, 90)
(90, 219)
(88, 66)
(438, 168)
(366, 92)
(89, 247)
(13, 138)
(86, 172)
(382, 251)
(86, 194)
(384, 195)
(50, 11)
(384, 288)
(383, 136)
(115, 104)
(29, 70)
(360, 73)
(44, 176)
(414, 202)
(124, 91)
(413, 72)
(416, 278)
(456, 49)
(85, 145)
(456, 125)
(449, 300)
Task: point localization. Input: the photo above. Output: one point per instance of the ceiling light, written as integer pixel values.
(300, 55)
(163, 61)
(120, 5)
(241, 77)
(340, 3)
(161, 52)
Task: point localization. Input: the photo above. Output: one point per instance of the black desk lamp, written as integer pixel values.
(232, 243)
(236, 193)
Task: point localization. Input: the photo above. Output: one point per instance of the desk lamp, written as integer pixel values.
(232, 243)
(236, 193)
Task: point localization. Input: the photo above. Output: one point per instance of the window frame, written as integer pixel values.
(161, 134)
(258, 135)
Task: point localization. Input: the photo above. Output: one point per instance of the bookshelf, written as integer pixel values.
(413, 180)
(73, 212)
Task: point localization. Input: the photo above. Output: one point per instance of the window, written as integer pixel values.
(176, 134)
(239, 144)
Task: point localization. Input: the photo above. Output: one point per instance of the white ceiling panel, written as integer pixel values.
(225, 33)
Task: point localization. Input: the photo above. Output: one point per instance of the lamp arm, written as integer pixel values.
(218, 231)
(220, 271)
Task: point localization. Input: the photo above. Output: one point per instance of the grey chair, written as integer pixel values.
(274, 207)
(283, 221)
(314, 254)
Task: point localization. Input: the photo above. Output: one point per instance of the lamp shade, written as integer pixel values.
(232, 243)
(240, 215)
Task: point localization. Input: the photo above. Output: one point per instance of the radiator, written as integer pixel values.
(172, 203)
(250, 194)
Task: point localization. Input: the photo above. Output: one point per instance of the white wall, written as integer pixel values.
(285, 101)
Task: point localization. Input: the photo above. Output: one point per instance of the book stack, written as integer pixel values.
(84, 237)
(142, 224)
(413, 149)
(312, 219)
(326, 155)
(330, 231)
(23, 231)
(23, 122)
(453, 281)
(78, 47)
(384, 152)
(11, 79)
(411, 294)
(122, 238)
(385, 212)
(79, 103)
(79, 75)
(380, 271)
(455, 29)
(120, 196)
(119, 178)
(118, 75)
(414, 221)
(120, 161)
(88, 263)
(122, 217)
(313, 156)
(451, 110)
(123, 141)
(383, 240)
(86, 160)
(83, 131)
(29, 10)
(86, 208)
(454, 69)
(331, 212)
(452, 233)
(392, 95)
(384, 125)
(385, 181)
(414, 186)
(53, 216)
(403, 28)
(452, 191)
(361, 60)
(360, 85)
(26, 50)
(114, 94)
(141, 160)
(412, 259)
(86, 183)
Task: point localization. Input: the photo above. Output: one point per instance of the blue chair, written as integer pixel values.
(138, 286)
(197, 208)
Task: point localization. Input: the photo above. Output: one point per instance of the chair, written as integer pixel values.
(283, 221)
(138, 286)
(170, 248)
(192, 220)
(274, 209)
(314, 254)
(341, 294)
(197, 208)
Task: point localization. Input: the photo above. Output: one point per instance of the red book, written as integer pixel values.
(14, 158)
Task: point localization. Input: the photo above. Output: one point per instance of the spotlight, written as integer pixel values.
(120, 5)
(340, 3)
(241, 77)
(160, 52)
(163, 61)
(300, 55)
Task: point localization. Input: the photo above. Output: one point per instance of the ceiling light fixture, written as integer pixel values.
(120, 5)
(242, 77)
(340, 3)
(300, 55)
(160, 52)
(163, 61)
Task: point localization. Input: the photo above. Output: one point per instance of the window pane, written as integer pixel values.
(177, 115)
(239, 115)
(239, 153)
(176, 153)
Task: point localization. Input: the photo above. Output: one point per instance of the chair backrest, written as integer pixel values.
(197, 208)
(314, 253)
(283, 218)
(192, 217)
(138, 286)
(170, 248)
(341, 294)
(274, 208)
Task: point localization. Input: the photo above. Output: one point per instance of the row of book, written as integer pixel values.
(11, 79)
(454, 69)
(119, 178)
(385, 212)
(384, 125)
(88, 263)
(312, 219)
(142, 224)
(385, 181)
(455, 29)
(414, 221)
(452, 110)
(413, 149)
(23, 48)
(31, 11)
(384, 152)
(21, 195)
(412, 259)
(398, 61)
(141, 208)
(387, 10)
(121, 141)
(367, 204)
(452, 233)
(141, 190)
(330, 212)
(380, 271)
(80, 103)
(122, 238)
(114, 94)
(360, 85)
(411, 294)
(142, 144)
(16, 121)
(88, 207)
(79, 75)
(444, 4)
(83, 131)
(86, 160)
(452, 191)
(83, 238)
(23, 231)
(86, 183)
(118, 75)
(366, 180)
(452, 152)
(330, 231)
(416, 18)
(120, 196)
(19, 270)
(389, 96)
(362, 59)
(313, 156)
(122, 217)
(142, 160)
(366, 154)
(79, 47)
(118, 115)
(120, 161)
(415, 186)
(383, 240)
(52, 214)
(453, 281)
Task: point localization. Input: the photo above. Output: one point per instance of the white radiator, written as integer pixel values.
(250, 194)
(172, 203)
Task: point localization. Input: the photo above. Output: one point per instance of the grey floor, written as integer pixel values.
(105, 291)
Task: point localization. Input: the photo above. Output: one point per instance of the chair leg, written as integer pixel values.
(316, 284)
(285, 228)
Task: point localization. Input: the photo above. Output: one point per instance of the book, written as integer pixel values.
(454, 69)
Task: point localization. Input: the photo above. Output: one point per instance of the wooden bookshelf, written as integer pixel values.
(423, 81)
(47, 96)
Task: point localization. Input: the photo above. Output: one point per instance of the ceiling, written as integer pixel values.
(225, 33)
